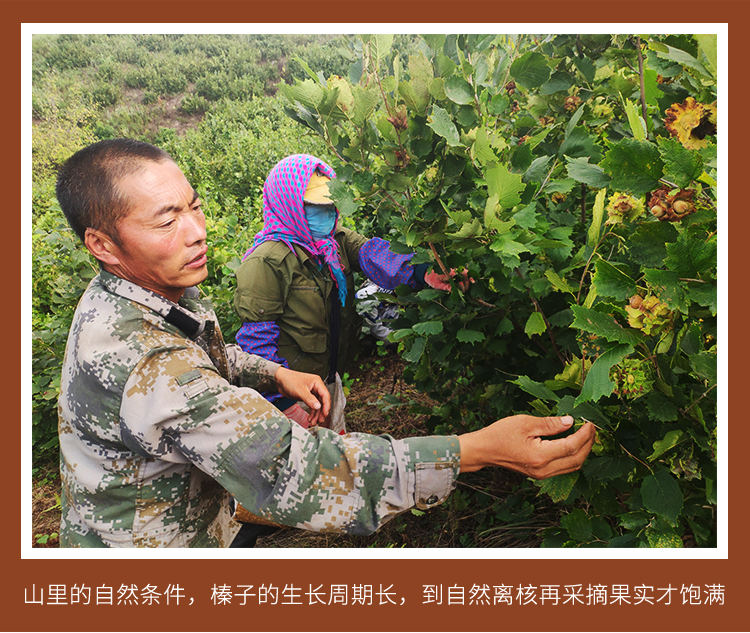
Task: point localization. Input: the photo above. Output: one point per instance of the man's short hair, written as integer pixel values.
(88, 183)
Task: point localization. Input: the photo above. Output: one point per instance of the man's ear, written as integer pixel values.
(101, 246)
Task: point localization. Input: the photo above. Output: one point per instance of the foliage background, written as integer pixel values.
(493, 154)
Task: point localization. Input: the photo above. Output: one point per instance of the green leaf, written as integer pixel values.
(586, 67)
(458, 90)
(428, 328)
(637, 124)
(417, 349)
(312, 74)
(708, 45)
(557, 82)
(434, 41)
(416, 91)
(660, 534)
(704, 294)
(537, 171)
(344, 199)
(468, 230)
(397, 335)
(603, 325)
(491, 209)
(635, 166)
(481, 149)
(499, 103)
(670, 440)
(580, 170)
(592, 412)
(573, 121)
(681, 166)
(660, 408)
(442, 124)
(704, 365)
(597, 383)
(530, 70)
(691, 258)
(536, 389)
(380, 45)
(648, 245)
(558, 283)
(663, 536)
(508, 250)
(506, 186)
(651, 88)
(559, 487)
(596, 219)
(578, 525)
(535, 324)
(661, 495)
(366, 101)
(521, 159)
(667, 286)
(305, 117)
(526, 218)
(563, 185)
(470, 336)
(633, 520)
(681, 57)
(580, 144)
(612, 282)
(605, 467)
(307, 93)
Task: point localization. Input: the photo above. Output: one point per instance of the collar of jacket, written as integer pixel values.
(192, 325)
(300, 250)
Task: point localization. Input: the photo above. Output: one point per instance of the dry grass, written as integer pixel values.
(490, 508)
(45, 506)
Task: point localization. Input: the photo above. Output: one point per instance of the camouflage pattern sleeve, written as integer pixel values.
(278, 470)
(251, 370)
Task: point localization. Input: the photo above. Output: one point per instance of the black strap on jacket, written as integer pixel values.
(187, 323)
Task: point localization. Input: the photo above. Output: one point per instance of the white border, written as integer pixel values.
(720, 552)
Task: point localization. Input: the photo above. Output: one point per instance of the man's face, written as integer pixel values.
(163, 234)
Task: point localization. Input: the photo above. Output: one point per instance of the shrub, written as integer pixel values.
(68, 51)
(194, 104)
(498, 156)
(106, 94)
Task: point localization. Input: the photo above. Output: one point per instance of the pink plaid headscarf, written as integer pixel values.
(284, 213)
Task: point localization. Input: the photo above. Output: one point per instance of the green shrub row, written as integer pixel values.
(573, 179)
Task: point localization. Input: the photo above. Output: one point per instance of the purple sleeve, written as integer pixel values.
(384, 267)
(262, 338)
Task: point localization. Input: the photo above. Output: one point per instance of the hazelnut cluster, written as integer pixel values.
(672, 208)
(572, 102)
(632, 377)
(623, 208)
(649, 314)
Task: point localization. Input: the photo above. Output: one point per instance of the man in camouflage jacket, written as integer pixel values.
(160, 421)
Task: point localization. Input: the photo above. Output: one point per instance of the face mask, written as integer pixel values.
(321, 218)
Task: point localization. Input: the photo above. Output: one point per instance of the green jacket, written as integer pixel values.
(276, 284)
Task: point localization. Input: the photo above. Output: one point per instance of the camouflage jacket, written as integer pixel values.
(159, 422)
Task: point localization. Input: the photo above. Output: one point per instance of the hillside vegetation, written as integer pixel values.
(572, 177)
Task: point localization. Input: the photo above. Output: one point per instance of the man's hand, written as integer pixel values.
(308, 388)
(443, 282)
(516, 443)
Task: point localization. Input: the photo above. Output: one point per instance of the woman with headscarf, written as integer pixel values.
(295, 287)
